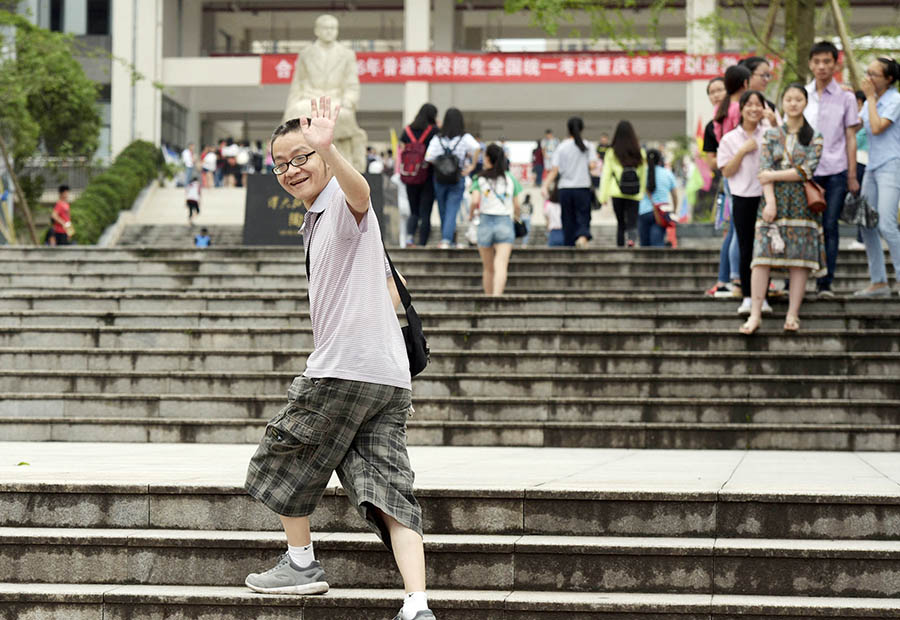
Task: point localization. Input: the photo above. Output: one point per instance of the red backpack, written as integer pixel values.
(413, 167)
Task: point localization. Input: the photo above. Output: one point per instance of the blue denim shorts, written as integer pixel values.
(493, 229)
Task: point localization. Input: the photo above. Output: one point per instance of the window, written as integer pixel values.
(98, 16)
(56, 11)
(174, 123)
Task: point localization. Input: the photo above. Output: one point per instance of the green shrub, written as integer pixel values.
(115, 190)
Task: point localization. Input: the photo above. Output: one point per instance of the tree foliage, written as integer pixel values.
(46, 100)
(800, 20)
(47, 103)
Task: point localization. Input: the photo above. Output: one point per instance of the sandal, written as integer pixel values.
(750, 326)
(791, 324)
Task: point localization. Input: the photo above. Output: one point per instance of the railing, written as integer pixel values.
(56, 171)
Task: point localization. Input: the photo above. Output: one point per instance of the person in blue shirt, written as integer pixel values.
(661, 191)
(202, 240)
(881, 185)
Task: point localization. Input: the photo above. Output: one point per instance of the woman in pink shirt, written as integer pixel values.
(737, 80)
(738, 159)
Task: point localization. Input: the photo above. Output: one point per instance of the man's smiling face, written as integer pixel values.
(307, 181)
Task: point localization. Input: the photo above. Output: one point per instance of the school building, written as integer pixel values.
(225, 66)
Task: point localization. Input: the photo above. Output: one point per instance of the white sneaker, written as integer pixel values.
(856, 245)
(766, 308)
(744, 309)
(444, 245)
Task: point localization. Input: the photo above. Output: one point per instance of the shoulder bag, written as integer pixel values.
(815, 193)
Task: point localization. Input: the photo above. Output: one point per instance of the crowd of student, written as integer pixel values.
(768, 156)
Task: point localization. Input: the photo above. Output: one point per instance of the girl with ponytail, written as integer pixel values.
(572, 161)
(660, 190)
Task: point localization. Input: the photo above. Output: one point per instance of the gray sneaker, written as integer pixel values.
(288, 578)
(422, 615)
(884, 291)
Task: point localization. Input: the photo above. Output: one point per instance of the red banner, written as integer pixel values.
(582, 67)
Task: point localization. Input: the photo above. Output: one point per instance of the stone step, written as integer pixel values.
(485, 510)
(292, 361)
(698, 339)
(682, 565)
(660, 303)
(506, 433)
(579, 409)
(417, 267)
(520, 282)
(495, 385)
(431, 252)
(850, 320)
(118, 602)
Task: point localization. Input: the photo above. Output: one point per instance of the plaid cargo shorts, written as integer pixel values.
(356, 428)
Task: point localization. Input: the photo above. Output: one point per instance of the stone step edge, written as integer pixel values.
(501, 425)
(544, 493)
(426, 314)
(473, 296)
(469, 376)
(472, 331)
(464, 543)
(266, 399)
(509, 600)
(540, 353)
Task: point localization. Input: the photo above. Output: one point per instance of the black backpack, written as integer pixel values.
(446, 165)
(629, 183)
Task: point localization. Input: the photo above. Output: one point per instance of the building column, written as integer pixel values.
(444, 41)
(699, 41)
(416, 38)
(136, 108)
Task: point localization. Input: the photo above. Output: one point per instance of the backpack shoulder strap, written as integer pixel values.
(425, 133)
(409, 134)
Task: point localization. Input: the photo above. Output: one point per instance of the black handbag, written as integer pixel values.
(416, 346)
(520, 228)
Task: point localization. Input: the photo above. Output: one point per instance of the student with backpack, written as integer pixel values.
(416, 173)
(572, 160)
(624, 180)
(496, 199)
(452, 155)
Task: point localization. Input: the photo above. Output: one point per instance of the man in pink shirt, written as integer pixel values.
(347, 412)
(833, 112)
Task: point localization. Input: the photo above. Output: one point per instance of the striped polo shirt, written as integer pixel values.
(356, 332)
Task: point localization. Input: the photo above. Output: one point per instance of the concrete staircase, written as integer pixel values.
(186, 353)
(596, 348)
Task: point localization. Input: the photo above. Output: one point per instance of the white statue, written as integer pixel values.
(328, 68)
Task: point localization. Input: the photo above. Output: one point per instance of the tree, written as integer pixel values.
(47, 103)
(613, 20)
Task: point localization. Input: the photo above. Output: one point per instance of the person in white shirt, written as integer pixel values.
(187, 158)
(453, 154)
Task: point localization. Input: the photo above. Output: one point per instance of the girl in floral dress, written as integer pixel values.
(788, 235)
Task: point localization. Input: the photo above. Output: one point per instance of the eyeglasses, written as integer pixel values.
(298, 161)
(872, 74)
(765, 76)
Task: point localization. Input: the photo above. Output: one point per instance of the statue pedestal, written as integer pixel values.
(273, 217)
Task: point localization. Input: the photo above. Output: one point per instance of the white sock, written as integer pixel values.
(302, 556)
(413, 603)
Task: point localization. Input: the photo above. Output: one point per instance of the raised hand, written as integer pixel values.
(318, 129)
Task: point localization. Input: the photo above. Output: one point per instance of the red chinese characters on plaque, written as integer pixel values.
(374, 67)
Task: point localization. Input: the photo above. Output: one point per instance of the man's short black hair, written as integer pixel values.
(548, 131)
(63, 188)
(824, 47)
(284, 128)
(860, 95)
